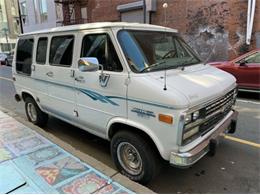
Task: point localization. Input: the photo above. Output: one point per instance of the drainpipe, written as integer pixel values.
(250, 20)
(144, 10)
(20, 17)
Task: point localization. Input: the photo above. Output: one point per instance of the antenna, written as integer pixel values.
(165, 6)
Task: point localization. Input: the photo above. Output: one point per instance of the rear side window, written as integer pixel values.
(61, 50)
(41, 50)
(24, 56)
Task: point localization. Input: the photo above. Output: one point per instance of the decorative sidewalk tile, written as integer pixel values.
(11, 125)
(5, 154)
(13, 135)
(61, 170)
(46, 167)
(3, 115)
(7, 120)
(45, 154)
(27, 145)
(89, 183)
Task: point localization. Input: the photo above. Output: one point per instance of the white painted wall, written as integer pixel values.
(32, 25)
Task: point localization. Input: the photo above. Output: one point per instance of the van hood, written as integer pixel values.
(198, 83)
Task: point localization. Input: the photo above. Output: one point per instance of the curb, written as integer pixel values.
(114, 174)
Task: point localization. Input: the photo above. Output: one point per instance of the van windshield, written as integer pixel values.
(148, 51)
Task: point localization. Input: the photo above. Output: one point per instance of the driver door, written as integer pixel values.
(99, 101)
(248, 73)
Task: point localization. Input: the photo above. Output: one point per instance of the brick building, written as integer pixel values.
(216, 29)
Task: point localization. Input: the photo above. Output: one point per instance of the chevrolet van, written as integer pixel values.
(139, 86)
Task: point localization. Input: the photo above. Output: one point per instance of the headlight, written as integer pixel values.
(188, 118)
(195, 115)
(192, 117)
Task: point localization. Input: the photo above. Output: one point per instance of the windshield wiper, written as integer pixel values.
(187, 63)
(151, 66)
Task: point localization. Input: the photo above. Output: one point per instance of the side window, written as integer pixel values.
(61, 50)
(24, 56)
(254, 58)
(101, 47)
(41, 50)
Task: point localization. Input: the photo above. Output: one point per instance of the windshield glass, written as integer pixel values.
(152, 51)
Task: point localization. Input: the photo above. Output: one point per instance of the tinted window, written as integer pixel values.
(41, 50)
(24, 56)
(101, 47)
(61, 50)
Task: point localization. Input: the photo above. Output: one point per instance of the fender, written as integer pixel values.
(34, 97)
(139, 126)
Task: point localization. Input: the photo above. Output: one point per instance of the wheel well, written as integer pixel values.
(25, 95)
(116, 127)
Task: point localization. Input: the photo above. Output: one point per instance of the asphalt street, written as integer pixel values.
(234, 169)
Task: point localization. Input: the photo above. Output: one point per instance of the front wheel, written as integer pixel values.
(134, 157)
(34, 113)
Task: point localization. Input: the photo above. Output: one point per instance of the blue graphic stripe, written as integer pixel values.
(96, 96)
(142, 102)
(106, 99)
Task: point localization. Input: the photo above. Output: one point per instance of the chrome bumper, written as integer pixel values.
(187, 159)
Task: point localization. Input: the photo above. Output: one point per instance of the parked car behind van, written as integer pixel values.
(10, 57)
(138, 85)
(3, 59)
(245, 68)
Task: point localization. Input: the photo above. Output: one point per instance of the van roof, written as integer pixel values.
(99, 25)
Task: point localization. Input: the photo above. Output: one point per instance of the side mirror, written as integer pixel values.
(242, 62)
(88, 64)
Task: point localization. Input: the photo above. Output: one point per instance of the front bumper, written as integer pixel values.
(187, 159)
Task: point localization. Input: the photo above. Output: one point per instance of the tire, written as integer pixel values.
(138, 148)
(34, 113)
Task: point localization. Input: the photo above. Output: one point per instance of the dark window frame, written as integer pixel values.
(62, 65)
(44, 63)
(107, 34)
(32, 56)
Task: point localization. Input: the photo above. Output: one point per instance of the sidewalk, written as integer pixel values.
(29, 163)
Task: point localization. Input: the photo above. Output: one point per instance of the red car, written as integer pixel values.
(245, 68)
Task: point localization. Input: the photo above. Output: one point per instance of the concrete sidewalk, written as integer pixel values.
(30, 163)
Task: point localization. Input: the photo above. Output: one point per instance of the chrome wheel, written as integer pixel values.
(129, 158)
(31, 110)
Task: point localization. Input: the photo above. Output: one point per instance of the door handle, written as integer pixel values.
(49, 74)
(80, 79)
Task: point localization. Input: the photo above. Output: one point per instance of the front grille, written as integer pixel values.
(216, 111)
(220, 103)
(211, 114)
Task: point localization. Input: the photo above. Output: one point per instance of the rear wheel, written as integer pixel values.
(134, 157)
(34, 113)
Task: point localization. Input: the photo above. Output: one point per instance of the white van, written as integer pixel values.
(138, 85)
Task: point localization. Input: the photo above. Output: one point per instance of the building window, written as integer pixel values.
(84, 14)
(61, 50)
(43, 10)
(24, 55)
(59, 14)
(36, 11)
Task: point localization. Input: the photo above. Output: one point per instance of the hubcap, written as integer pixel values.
(129, 158)
(32, 112)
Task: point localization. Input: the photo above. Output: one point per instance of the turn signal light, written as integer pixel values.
(166, 118)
